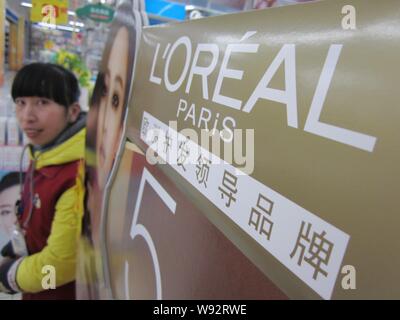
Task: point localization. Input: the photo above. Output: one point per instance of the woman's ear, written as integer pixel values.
(73, 112)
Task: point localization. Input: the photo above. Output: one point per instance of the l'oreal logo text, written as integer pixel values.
(287, 97)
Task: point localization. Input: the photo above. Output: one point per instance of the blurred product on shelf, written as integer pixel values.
(12, 139)
(74, 63)
(3, 128)
(13, 132)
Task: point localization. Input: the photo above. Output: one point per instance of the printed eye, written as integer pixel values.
(115, 101)
(5, 212)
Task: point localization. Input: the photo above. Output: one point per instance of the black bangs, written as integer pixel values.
(46, 80)
(11, 179)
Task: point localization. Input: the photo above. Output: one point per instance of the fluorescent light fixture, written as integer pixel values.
(26, 4)
(47, 25)
(71, 13)
(65, 28)
(77, 24)
(53, 26)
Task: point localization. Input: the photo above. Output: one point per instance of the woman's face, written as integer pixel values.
(41, 119)
(111, 110)
(8, 198)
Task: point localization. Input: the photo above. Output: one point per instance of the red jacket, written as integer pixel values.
(53, 230)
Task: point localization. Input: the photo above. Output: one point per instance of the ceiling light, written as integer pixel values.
(53, 26)
(26, 4)
(78, 24)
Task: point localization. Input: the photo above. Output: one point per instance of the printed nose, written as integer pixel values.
(105, 117)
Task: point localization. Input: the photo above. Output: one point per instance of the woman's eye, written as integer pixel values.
(115, 101)
(42, 102)
(19, 102)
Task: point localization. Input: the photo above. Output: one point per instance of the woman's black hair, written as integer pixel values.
(124, 17)
(9, 180)
(46, 80)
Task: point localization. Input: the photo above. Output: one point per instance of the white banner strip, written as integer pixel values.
(307, 245)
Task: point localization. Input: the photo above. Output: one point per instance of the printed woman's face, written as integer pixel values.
(111, 110)
(8, 198)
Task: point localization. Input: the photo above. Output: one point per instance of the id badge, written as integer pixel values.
(18, 242)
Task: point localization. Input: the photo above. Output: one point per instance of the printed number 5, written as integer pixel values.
(140, 230)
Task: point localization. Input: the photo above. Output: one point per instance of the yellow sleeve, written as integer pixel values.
(61, 249)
